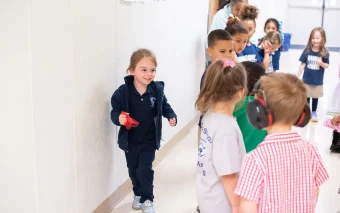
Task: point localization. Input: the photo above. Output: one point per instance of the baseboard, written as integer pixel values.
(126, 187)
(301, 47)
(114, 198)
(161, 154)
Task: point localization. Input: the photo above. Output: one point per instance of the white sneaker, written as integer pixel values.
(314, 117)
(147, 207)
(136, 203)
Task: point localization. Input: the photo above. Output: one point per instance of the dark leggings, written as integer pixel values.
(314, 103)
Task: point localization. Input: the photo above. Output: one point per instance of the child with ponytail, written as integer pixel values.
(250, 53)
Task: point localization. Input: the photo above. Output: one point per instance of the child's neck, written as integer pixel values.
(224, 108)
(316, 49)
(279, 128)
(141, 89)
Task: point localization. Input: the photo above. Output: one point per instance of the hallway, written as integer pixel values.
(175, 175)
(61, 61)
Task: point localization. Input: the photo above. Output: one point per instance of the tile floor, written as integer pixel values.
(175, 175)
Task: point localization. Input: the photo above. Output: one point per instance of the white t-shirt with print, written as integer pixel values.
(220, 153)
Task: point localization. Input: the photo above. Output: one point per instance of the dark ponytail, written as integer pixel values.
(235, 26)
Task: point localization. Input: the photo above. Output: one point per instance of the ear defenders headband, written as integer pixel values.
(260, 116)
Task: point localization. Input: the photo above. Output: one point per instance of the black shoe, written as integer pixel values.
(335, 141)
(335, 151)
(198, 209)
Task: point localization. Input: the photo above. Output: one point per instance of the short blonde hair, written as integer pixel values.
(139, 55)
(285, 95)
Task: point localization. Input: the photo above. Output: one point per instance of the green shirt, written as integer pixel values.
(251, 136)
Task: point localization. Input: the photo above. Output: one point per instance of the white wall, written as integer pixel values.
(94, 81)
(270, 9)
(17, 146)
(52, 96)
(60, 63)
(294, 18)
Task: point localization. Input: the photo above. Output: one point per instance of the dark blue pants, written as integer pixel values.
(139, 162)
(314, 103)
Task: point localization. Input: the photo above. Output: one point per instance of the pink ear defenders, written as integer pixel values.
(260, 116)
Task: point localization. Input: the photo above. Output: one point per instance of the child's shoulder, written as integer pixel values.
(120, 91)
(327, 53)
(305, 51)
(122, 87)
(218, 119)
(271, 144)
(159, 83)
(278, 51)
(253, 45)
(157, 86)
(223, 123)
(259, 48)
(312, 151)
(308, 145)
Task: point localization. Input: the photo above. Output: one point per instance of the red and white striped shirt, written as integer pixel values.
(282, 174)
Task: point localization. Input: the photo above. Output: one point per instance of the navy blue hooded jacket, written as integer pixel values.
(120, 102)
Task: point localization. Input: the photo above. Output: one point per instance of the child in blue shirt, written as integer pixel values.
(250, 53)
(274, 38)
(274, 25)
(314, 61)
(239, 33)
(142, 99)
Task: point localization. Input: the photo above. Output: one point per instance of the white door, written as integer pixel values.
(304, 15)
(331, 24)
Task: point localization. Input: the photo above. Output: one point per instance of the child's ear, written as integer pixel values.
(131, 72)
(242, 93)
(209, 51)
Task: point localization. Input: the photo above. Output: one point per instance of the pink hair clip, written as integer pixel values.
(227, 63)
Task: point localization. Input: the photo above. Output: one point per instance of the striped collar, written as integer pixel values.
(282, 137)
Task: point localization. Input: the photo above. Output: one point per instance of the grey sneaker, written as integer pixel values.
(147, 207)
(136, 203)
